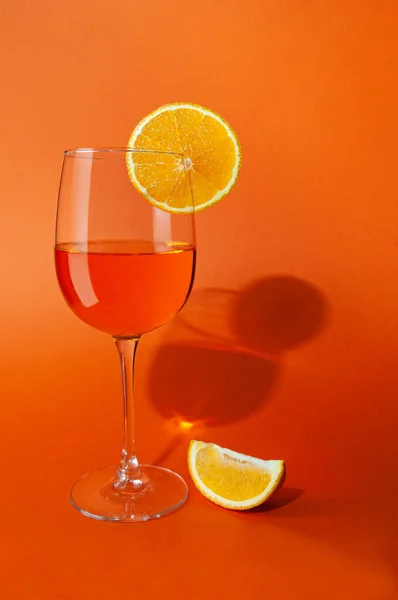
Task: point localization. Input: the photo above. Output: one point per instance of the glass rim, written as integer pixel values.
(77, 152)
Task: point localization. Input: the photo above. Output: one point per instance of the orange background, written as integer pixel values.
(288, 347)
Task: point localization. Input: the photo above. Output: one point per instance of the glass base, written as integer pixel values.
(95, 496)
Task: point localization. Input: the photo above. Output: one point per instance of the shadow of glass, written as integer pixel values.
(208, 386)
(277, 313)
(222, 353)
(209, 314)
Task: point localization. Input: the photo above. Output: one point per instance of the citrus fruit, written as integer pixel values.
(208, 150)
(231, 479)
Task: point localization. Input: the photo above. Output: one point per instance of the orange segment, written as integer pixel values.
(208, 161)
(162, 129)
(208, 150)
(231, 479)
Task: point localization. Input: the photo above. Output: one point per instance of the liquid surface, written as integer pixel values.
(125, 288)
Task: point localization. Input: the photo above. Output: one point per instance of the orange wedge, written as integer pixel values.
(231, 479)
(208, 151)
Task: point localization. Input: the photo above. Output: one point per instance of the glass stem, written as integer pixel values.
(129, 478)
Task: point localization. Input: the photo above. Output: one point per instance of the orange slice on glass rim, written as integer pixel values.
(231, 479)
(207, 147)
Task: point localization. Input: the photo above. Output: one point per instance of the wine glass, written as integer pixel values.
(125, 267)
